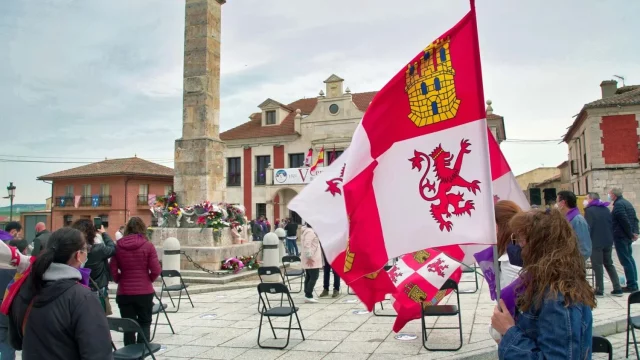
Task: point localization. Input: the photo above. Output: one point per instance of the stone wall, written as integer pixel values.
(626, 179)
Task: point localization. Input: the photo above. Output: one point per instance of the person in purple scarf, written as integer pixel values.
(600, 221)
(567, 203)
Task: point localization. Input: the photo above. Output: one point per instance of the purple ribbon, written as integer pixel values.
(85, 272)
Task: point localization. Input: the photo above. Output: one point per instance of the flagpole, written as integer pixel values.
(496, 263)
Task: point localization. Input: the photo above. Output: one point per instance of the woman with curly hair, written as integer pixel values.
(553, 317)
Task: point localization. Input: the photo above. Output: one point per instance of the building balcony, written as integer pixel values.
(87, 201)
(64, 201)
(105, 200)
(143, 199)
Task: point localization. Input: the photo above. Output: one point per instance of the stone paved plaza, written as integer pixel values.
(224, 325)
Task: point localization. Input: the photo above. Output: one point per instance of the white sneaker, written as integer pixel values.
(310, 300)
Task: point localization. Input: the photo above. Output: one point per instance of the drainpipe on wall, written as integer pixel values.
(126, 182)
(53, 202)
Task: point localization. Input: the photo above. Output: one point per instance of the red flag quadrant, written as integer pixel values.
(422, 158)
(418, 278)
(321, 203)
(505, 186)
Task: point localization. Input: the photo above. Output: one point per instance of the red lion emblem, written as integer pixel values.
(437, 267)
(332, 185)
(449, 177)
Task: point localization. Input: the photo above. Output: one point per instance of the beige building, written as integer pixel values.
(603, 143)
(265, 156)
(540, 185)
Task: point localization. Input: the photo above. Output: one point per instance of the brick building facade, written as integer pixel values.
(604, 143)
(113, 190)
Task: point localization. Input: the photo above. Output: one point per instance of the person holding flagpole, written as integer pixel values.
(554, 307)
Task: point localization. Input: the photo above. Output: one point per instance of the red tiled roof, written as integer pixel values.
(127, 166)
(254, 129)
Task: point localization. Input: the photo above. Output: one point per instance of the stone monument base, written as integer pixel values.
(206, 247)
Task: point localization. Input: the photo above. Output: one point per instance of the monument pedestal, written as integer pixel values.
(206, 247)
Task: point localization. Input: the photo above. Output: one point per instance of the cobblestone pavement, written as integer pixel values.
(224, 325)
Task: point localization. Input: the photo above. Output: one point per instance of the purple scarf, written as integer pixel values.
(572, 213)
(598, 202)
(5, 236)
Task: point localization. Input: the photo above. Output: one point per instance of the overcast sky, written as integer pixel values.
(81, 80)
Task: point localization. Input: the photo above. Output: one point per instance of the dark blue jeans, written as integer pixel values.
(292, 247)
(327, 276)
(623, 248)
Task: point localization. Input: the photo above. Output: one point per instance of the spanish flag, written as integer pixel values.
(319, 159)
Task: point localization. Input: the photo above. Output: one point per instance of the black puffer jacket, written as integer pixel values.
(98, 261)
(625, 221)
(66, 321)
(40, 242)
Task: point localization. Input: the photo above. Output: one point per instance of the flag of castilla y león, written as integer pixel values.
(417, 173)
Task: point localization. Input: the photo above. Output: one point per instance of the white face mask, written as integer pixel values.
(585, 203)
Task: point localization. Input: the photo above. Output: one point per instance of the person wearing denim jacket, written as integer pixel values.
(553, 318)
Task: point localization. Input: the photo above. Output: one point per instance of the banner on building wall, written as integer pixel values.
(295, 176)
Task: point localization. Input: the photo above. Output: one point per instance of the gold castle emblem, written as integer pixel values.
(415, 293)
(430, 86)
(421, 256)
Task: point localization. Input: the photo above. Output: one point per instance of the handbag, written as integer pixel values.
(104, 299)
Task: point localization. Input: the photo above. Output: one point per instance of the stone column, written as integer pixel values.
(199, 153)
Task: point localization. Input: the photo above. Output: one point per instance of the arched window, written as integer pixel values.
(426, 56)
(423, 86)
(411, 70)
(434, 108)
(443, 54)
(436, 84)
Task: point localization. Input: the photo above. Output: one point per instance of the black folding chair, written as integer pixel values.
(133, 351)
(602, 346)
(280, 311)
(386, 268)
(633, 322)
(270, 271)
(470, 270)
(442, 310)
(287, 261)
(179, 287)
(158, 308)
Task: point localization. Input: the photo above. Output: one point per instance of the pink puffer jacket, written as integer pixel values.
(135, 266)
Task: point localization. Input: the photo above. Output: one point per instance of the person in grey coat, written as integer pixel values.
(600, 222)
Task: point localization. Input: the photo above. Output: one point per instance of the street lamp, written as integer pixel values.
(11, 190)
